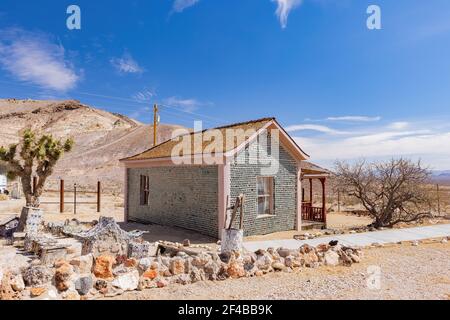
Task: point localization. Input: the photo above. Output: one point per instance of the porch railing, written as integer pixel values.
(311, 213)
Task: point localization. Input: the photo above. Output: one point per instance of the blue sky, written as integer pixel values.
(342, 90)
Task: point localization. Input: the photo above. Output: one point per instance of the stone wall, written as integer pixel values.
(182, 196)
(244, 180)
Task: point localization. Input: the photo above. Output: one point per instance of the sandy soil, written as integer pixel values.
(336, 221)
(111, 206)
(407, 272)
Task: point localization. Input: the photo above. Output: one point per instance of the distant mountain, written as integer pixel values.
(441, 173)
(101, 138)
(441, 176)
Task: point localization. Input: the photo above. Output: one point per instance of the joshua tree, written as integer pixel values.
(392, 192)
(37, 156)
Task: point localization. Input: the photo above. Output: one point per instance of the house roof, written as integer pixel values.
(310, 168)
(230, 142)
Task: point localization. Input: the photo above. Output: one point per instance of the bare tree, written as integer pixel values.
(392, 192)
(37, 156)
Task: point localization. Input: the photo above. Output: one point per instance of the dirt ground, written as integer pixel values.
(112, 206)
(405, 273)
(336, 221)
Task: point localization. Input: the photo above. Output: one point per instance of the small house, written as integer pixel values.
(191, 181)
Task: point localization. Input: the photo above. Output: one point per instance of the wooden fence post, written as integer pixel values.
(61, 196)
(99, 188)
(75, 198)
(438, 200)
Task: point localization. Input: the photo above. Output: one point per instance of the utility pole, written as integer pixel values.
(155, 124)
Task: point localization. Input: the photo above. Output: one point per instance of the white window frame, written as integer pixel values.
(271, 196)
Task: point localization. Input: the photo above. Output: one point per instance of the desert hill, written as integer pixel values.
(101, 138)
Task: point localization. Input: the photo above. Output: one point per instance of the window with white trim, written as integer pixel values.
(265, 195)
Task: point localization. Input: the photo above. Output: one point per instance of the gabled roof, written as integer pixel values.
(229, 145)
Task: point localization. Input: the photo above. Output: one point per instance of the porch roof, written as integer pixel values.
(311, 170)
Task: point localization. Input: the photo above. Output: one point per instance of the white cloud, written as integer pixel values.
(433, 147)
(314, 127)
(187, 104)
(354, 118)
(284, 8)
(399, 125)
(33, 57)
(181, 5)
(145, 95)
(126, 64)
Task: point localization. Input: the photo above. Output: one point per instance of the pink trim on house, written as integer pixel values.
(164, 162)
(299, 198)
(222, 160)
(223, 193)
(247, 141)
(125, 198)
(285, 140)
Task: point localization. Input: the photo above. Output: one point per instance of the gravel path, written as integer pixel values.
(359, 239)
(407, 272)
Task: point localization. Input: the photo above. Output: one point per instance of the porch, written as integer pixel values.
(313, 215)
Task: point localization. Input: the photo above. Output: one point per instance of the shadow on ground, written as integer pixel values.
(173, 234)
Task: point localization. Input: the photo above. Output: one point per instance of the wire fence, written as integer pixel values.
(72, 194)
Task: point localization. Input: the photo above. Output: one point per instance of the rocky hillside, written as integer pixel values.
(101, 138)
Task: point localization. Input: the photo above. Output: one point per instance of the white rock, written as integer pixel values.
(128, 281)
(444, 241)
(232, 240)
(17, 283)
(331, 258)
(415, 243)
(51, 294)
(145, 263)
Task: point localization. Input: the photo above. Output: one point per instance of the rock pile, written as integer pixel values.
(94, 275)
(107, 237)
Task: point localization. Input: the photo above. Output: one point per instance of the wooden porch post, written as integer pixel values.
(311, 191)
(300, 198)
(324, 200)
